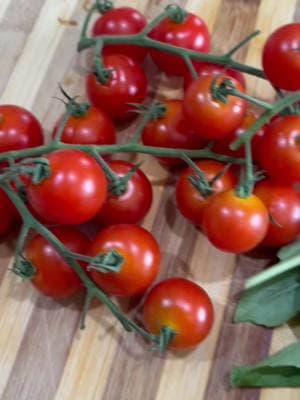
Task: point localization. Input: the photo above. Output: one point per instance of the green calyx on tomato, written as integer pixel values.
(176, 13)
(103, 6)
(111, 261)
(73, 107)
(23, 268)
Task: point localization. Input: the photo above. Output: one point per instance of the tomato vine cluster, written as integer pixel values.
(57, 187)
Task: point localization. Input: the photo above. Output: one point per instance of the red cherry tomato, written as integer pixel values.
(8, 214)
(73, 193)
(19, 129)
(222, 146)
(212, 119)
(281, 58)
(94, 127)
(191, 34)
(122, 21)
(190, 202)
(128, 84)
(235, 224)
(173, 131)
(141, 259)
(131, 206)
(283, 205)
(54, 277)
(214, 69)
(279, 151)
(182, 306)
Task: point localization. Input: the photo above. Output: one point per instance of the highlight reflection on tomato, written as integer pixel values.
(182, 306)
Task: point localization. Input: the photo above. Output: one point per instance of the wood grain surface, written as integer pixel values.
(43, 354)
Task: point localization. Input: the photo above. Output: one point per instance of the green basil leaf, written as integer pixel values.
(280, 370)
(272, 302)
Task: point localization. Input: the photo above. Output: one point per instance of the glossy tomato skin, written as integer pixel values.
(141, 254)
(19, 129)
(222, 146)
(184, 307)
(190, 202)
(212, 119)
(73, 193)
(204, 69)
(54, 277)
(132, 206)
(122, 21)
(281, 58)
(128, 84)
(94, 127)
(172, 130)
(234, 224)
(191, 34)
(8, 214)
(283, 205)
(279, 152)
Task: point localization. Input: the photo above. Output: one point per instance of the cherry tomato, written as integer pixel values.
(122, 21)
(214, 69)
(131, 206)
(283, 205)
(8, 214)
(191, 34)
(173, 131)
(212, 119)
(222, 146)
(279, 151)
(19, 129)
(141, 259)
(281, 59)
(190, 202)
(94, 127)
(54, 277)
(128, 84)
(182, 306)
(73, 193)
(235, 224)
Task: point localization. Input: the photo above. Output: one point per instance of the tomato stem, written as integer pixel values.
(241, 44)
(279, 106)
(93, 291)
(142, 39)
(247, 178)
(199, 180)
(104, 5)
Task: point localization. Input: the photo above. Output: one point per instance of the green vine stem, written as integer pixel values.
(247, 179)
(142, 39)
(279, 106)
(93, 291)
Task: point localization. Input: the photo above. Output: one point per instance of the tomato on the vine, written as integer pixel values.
(191, 34)
(235, 224)
(279, 152)
(127, 84)
(283, 205)
(173, 131)
(94, 127)
(121, 21)
(133, 204)
(204, 69)
(184, 307)
(141, 255)
(213, 119)
(190, 202)
(19, 129)
(8, 214)
(222, 146)
(53, 276)
(74, 191)
(281, 59)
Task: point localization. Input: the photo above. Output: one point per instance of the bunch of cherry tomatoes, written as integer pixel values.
(77, 190)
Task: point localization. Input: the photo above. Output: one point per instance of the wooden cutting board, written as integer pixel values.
(43, 354)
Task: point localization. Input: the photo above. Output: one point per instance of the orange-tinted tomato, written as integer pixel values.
(182, 306)
(212, 119)
(235, 224)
